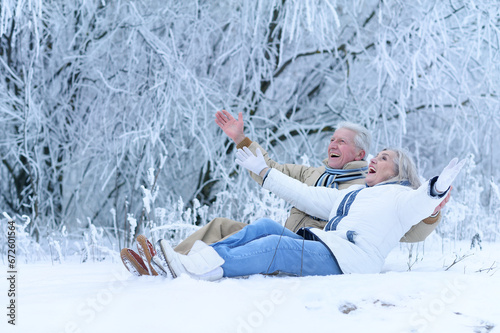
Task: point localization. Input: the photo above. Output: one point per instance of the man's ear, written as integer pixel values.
(361, 154)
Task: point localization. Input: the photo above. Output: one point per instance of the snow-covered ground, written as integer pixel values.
(104, 297)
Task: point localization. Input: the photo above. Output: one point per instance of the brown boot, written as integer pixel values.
(146, 251)
(133, 262)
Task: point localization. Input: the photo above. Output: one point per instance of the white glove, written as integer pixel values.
(448, 175)
(249, 161)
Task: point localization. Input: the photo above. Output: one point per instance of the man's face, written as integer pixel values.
(342, 149)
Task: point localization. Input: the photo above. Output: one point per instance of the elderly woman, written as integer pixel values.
(364, 224)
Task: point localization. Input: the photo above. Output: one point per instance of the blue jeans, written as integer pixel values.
(266, 247)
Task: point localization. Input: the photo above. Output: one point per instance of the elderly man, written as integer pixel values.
(344, 166)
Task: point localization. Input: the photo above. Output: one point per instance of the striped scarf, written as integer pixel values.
(331, 177)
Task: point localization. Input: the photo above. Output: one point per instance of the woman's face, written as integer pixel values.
(381, 168)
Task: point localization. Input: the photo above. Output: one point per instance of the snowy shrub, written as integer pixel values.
(177, 222)
(26, 248)
(94, 248)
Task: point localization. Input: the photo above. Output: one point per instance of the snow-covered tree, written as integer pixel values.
(96, 93)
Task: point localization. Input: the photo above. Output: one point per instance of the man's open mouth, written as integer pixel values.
(372, 170)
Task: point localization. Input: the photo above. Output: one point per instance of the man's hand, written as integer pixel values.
(232, 127)
(443, 203)
(249, 161)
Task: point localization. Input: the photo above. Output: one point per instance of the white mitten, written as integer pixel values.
(448, 175)
(249, 161)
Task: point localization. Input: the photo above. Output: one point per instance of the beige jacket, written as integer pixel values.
(309, 175)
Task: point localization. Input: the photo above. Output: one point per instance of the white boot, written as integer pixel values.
(201, 259)
(202, 262)
(213, 275)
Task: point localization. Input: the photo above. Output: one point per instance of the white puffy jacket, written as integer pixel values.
(377, 218)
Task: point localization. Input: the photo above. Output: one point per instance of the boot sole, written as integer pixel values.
(146, 251)
(162, 257)
(158, 266)
(133, 262)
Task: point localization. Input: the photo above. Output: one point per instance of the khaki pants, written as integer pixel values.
(214, 231)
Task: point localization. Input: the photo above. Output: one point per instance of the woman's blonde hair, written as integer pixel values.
(405, 168)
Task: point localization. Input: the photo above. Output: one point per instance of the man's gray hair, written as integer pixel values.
(405, 168)
(363, 138)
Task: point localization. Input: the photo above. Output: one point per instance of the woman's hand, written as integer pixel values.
(448, 175)
(249, 161)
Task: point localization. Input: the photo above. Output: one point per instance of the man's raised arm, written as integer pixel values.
(234, 129)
